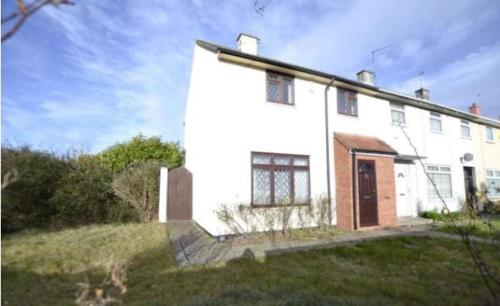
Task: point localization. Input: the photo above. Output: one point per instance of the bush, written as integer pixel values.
(25, 201)
(437, 216)
(138, 185)
(141, 149)
(86, 195)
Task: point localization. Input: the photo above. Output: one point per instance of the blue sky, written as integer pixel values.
(99, 72)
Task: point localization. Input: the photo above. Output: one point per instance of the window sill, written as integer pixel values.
(439, 200)
(280, 103)
(437, 132)
(466, 138)
(398, 125)
(348, 115)
(490, 141)
(277, 205)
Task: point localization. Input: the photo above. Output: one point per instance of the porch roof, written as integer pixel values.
(368, 144)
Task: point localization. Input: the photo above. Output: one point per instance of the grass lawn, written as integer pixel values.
(43, 269)
(482, 229)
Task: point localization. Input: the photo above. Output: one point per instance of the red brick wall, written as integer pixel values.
(386, 191)
(386, 188)
(343, 186)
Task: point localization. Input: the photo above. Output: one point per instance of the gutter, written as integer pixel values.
(249, 59)
(327, 142)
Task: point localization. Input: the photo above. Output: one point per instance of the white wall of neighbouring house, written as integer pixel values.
(228, 117)
(442, 149)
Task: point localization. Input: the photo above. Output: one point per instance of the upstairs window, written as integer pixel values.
(490, 136)
(279, 179)
(398, 114)
(279, 88)
(347, 102)
(465, 129)
(441, 176)
(435, 120)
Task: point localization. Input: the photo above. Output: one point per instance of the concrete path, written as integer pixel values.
(192, 245)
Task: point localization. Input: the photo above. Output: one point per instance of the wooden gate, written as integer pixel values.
(180, 194)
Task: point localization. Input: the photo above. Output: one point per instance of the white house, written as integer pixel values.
(263, 133)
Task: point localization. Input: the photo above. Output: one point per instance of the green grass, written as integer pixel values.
(481, 229)
(43, 269)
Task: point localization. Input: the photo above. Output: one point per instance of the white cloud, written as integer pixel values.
(458, 83)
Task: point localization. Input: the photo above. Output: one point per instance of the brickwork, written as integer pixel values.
(386, 192)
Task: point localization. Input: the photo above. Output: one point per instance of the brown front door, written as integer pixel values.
(367, 186)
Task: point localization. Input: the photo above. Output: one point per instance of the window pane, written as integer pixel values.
(445, 169)
(282, 186)
(497, 173)
(273, 91)
(443, 184)
(398, 117)
(287, 91)
(489, 172)
(301, 186)
(282, 161)
(493, 186)
(347, 102)
(435, 125)
(432, 168)
(261, 186)
(397, 106)
(465, 131)
(489, 133)
(262, 159)
(300, 161)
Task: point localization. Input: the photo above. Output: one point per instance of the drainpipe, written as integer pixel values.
(328, 155)
(354, 184)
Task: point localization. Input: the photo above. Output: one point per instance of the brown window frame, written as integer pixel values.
(271, 167)
(345, 93)
(280, 82)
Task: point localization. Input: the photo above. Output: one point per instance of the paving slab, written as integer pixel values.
(192, 245)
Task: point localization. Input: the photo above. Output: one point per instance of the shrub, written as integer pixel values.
(243, 219)
(86, 195)
(25, 200)
(141, 149)
(138, 185)
(437, 216)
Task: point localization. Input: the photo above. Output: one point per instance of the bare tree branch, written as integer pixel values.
(485, 271)
(26, 10)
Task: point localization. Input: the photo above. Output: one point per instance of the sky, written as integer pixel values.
(99, 72)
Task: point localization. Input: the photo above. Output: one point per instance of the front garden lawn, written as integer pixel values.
(43, 268)
(482, 229)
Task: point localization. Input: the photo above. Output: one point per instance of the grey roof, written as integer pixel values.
(387, 94)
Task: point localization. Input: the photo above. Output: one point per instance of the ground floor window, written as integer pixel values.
(441, 176)
(279, 179)
(493, 183)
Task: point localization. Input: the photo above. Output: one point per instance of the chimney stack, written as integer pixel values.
(248, 43)
(366, 77)
(475, 109)
(422, 93)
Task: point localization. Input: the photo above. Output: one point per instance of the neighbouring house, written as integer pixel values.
(267, 133)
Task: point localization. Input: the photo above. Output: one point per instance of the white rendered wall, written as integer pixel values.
(228, 117)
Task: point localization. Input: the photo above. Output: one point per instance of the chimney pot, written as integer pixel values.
(422, 93)
(366, 77)
(248, 43)
(475, 109)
